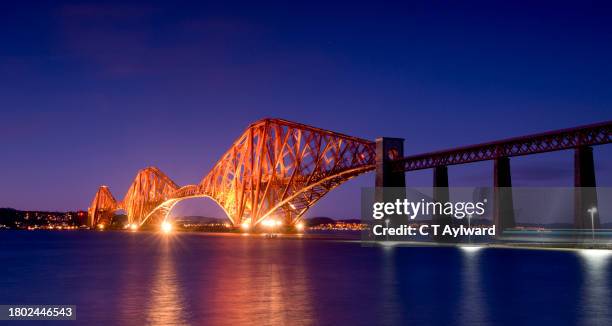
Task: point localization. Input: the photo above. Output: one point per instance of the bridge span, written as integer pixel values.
(281, 168)
(392, 165)
(275, 168)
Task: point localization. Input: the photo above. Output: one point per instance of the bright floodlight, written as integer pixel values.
(101, 226)
(134, 227)
(592, 210)
(299, 226)
(595, 253)
(166, 227)
(268, 223)
(245, 226)
(470, 248)
(278, 223)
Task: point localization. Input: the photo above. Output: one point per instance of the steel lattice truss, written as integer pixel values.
(150, 188)
(275, 168)
(102, 206)
(596, 134)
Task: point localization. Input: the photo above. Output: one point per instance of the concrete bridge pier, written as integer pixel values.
(390, 183)
(503, 205)
(440, 179)
(441, 194)
(387, 150)
(585, 193)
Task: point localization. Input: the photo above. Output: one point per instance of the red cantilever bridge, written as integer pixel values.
(281, 168)
(276, 167)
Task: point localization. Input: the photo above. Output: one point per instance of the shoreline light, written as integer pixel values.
(300, 226)
(595, 253)
(166, 227)
(470, 248)
(245, 226)
(270, 223)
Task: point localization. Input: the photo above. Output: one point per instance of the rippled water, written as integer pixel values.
(143, 278)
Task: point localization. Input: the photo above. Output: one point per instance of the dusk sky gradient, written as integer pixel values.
(91, 93)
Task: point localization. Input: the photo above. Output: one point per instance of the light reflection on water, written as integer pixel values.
(390, 309)
(139, 278)
(596, 289)
(258, 287)
(167, 305)
(472, 302)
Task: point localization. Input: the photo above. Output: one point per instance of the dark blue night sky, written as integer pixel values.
(90, 93)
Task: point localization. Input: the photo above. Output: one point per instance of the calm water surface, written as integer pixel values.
(143, 278)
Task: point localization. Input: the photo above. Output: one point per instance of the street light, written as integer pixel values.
(469, 228)
(592, 210)
(387, 225)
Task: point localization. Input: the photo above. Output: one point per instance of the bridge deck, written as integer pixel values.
(588, 135)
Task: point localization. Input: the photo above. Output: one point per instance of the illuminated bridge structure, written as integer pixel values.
(391, 167)
(280, 169)
(276, 168)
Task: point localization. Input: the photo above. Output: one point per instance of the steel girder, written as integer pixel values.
(275, 168)
(589, 135)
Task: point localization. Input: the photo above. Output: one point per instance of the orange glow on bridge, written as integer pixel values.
(275, 168)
